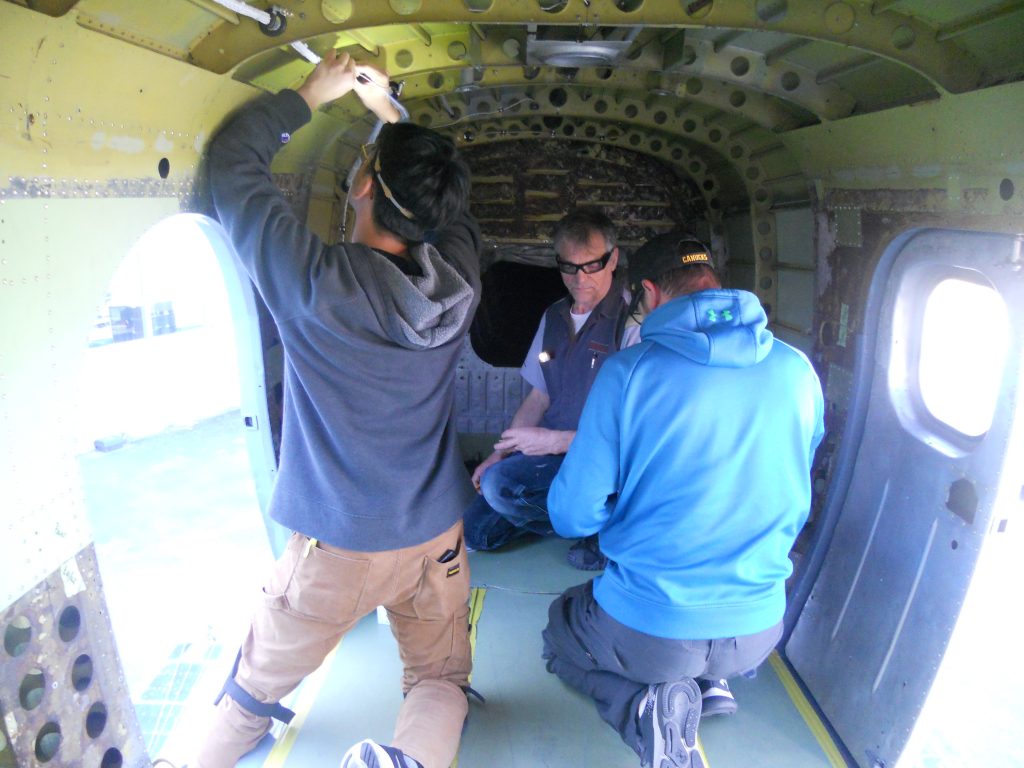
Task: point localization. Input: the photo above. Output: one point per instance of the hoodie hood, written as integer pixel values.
(422, 311)
(720, 327)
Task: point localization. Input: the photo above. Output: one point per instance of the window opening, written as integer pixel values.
(964, 340)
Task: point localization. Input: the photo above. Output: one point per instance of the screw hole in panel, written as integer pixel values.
(17, 636)
(48, 742)
(32, 688)
(81, 673)
(69, 624)
(96, 720)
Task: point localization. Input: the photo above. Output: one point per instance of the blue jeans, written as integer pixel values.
(513, 501)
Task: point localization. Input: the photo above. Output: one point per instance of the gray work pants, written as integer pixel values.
(614, 664)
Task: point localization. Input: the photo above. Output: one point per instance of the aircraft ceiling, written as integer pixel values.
(709, 86)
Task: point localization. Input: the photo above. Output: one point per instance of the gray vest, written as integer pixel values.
(574, 359)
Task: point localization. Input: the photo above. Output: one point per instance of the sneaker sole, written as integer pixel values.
(714, 708)
(678, 707)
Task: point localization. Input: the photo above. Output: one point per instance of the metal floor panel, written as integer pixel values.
(530, 719)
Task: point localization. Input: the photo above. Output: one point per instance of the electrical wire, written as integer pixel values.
(498, 111)
(306, 52)
(245, 10)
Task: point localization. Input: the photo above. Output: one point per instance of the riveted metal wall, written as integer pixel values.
(794, 318)
(486, 397)
(90, 162)
(844, 275)
(58, 258)
(949, 156)
(87, 121)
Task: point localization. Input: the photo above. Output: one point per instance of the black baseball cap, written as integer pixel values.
(661, 254)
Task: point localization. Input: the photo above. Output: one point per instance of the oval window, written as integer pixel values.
(964, 342)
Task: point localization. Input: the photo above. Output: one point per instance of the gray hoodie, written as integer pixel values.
(369, 454)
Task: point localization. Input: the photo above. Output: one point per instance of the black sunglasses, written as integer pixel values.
(587, 267)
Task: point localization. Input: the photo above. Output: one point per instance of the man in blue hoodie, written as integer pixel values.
(697, 488)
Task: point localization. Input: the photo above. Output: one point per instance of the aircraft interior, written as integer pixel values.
(856, 164)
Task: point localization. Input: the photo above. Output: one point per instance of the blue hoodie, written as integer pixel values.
(692, 460)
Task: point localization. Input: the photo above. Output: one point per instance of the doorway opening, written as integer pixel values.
(169, 488)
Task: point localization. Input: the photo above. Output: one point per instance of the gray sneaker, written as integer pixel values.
(668, 726)
(716, 698)
(586, 555)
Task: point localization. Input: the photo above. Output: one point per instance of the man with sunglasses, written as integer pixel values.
(697, 489)
(370, 476)
(576, 335)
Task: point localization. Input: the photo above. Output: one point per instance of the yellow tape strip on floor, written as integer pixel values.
(308, 693)
(806, 711)
(476, 607)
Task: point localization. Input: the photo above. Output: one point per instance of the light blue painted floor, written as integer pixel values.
(530, 718)
(181, 506)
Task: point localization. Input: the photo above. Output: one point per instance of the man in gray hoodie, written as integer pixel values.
(370, 477)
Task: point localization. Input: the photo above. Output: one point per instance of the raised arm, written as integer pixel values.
(337, 74)
(276, 248)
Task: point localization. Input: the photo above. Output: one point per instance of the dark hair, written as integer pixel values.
(426, 175)
(689, 279)
(577, 227)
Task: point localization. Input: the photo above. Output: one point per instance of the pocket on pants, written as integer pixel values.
(443, 589)
(319, 585)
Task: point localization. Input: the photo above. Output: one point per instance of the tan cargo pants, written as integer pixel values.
(316, 594)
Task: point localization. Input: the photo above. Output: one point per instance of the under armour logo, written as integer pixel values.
(724, 316)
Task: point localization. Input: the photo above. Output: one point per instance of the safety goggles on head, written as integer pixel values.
(587, 267)
(366, 150)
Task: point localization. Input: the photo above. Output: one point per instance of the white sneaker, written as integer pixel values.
(370, 754)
